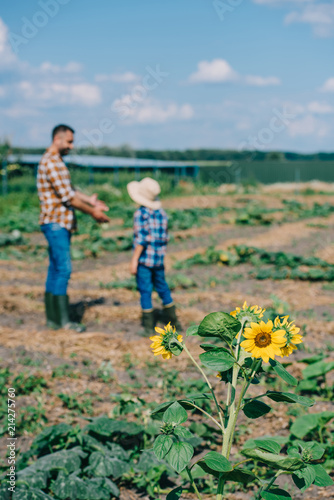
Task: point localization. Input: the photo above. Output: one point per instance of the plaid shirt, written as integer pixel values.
(150, 231)
(55, 191)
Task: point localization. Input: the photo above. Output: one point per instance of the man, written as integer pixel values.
(58, 199)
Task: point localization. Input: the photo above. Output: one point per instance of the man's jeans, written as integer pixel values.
(59, 271)
(147, 278)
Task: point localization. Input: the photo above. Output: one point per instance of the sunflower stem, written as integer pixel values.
(268, 486)
(207, 414)
(209, 385)
(231, 396)
(220, 489)
(192, 482)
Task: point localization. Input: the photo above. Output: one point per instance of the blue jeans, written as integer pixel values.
(147, 278)
(60, 268)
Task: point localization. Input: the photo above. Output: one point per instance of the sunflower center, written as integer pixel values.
(263, 339)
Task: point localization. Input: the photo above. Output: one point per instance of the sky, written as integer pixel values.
(176, 74)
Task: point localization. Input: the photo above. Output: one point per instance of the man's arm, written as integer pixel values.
(61, 182)
(92, 200)
(95, 211)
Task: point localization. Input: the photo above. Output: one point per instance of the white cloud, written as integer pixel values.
(46, 86)
(127, 77)
(319, 16)
(71, 67)
(60, 93)
(328, 86)
(260, 81)
(320, 108)
(308, 126)
(220, 71)
(7, 56)
(21, 112)
(151, 111)
(216, 71)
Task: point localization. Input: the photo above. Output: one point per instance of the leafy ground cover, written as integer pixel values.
(90, 397)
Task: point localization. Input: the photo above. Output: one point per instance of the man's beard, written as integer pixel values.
(64, 152)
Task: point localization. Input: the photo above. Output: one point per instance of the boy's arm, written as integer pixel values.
(135, 258)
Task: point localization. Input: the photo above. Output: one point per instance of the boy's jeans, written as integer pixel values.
(147, 278)
(59, 271)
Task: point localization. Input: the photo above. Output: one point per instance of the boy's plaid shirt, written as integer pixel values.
(55, 191)
(151, 231)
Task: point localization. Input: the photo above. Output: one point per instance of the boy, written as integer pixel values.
(150, 241)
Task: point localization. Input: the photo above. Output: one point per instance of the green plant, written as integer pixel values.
(245, 342)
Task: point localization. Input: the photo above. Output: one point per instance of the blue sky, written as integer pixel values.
(173, 74)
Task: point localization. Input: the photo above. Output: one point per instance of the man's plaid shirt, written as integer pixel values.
(55, 191)
(150, 231)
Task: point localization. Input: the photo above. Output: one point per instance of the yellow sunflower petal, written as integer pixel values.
(248, 344)
(159, 330)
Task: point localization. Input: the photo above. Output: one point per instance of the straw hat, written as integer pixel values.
(145, 193)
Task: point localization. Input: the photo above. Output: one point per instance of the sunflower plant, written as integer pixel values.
(237, 346)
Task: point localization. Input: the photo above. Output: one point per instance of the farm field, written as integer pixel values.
(271, 246)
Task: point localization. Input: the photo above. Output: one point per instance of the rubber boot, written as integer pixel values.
(62, 312)
(50, 311)
(148, 322)
(169, 316)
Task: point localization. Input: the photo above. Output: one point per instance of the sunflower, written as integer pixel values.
(161, 343)
(292, 335)
(248, 313)
(262, 341)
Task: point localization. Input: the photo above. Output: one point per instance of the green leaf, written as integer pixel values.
(175, 348)
(304, 477)
(312, 359)
(70, 487)
(322, 478)
(255, 409)
(220, 325)
(308, 423)
(192, 330)
(318, 369)
(275, 461)
(283, 373)
(102, 488)
(175, 414)
(217, 359)
(289, 397)
(275, 494)
(208, 470)
(180, 455)
(162, 445)
(31, 494)
(217, 462)
(183, 433)
(51, 436)
(35, 479)
(208, 347)
(64, 459)
(315, 449)
(240, 476)
(175, 494)
(160, 409)
(264, 444)
(103, 465)
(104, 426)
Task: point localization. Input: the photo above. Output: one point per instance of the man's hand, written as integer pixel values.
(133, 266)
(95, 202)
(98, 215)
